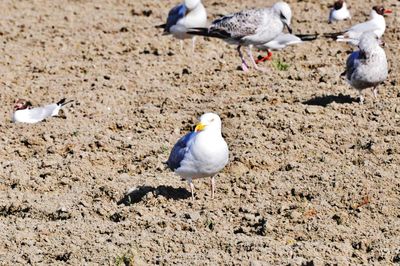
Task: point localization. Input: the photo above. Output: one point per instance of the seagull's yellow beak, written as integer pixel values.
(199, 127)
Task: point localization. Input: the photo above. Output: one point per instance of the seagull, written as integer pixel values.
(25, 113)
(376, 24)
(189, 14)
(202, 153)
(368, 67)
(283, 40)
(339, 12)
(249, 27)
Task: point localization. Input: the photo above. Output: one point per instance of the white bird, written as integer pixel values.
(368, 67)
(376, 24)
(282, 41)
(250, 27)
(189, 14)
(24, 113)
(339, 12)
(202, 153)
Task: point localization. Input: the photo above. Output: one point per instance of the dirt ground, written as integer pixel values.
(313, 177)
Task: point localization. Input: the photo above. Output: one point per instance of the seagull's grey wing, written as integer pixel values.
(40, 113)
(174, 15)
(352, 62)
(238, 25)
(179, 150)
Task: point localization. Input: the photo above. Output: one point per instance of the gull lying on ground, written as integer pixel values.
(249, 27)
(189, 14)
(339, 12)
(368, 67)
(202, 153)
(25, 113)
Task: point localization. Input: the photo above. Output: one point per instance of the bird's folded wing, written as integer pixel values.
(174, 15)
(179, 151)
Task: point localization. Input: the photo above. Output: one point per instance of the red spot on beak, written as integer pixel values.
(387, 11)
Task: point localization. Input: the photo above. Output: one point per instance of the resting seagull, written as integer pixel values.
(189, 14)
(339, 12)
(24, 113)
(202, 153)
(249, 27)
(368, 67)
(376, 24)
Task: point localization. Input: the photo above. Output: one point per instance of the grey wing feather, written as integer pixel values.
(240, 24)
(43, 112)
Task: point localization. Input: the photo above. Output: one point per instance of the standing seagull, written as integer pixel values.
(189, 14)
(368, 67)
(250, 27)
(283, 40)
(24, 113)
(202, 153)
(376, 24)
(339, 12)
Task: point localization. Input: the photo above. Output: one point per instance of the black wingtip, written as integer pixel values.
(162, 26)
(63, 102)
(333, 35)
(308, 37)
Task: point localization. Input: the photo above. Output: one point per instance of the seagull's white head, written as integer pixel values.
(368, 42)
(285, 13)
(191, 4)
(379, 11)
(21, 104)
(209, 121)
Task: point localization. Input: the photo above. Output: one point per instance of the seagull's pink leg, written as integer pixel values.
(191, 187)
(375, 91)
(212, 187)
(254, 62)
(245, 67)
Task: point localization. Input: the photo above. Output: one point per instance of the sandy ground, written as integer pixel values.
(313, 178)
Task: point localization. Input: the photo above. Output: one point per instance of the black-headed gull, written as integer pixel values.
(25, 113)
(339, 12)
(367, 67)
(202, 153)
(250, 27)
(189, 14)
(376, 24)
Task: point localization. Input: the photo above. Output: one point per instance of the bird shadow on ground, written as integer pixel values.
(168, 192)
(328, 99)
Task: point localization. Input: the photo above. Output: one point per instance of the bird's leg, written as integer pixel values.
(193, 43)
(245, 67)
(181, 42)
(265, 58)
(254, 62)
(361, 97)
(212, 187)
(191, 187)
(375, 91)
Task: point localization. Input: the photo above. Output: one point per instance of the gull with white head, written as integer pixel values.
(202, 153)
(367, 67)
(25, 113)
(249, 28)
(189, 14)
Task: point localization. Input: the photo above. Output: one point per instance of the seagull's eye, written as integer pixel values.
(283, 16)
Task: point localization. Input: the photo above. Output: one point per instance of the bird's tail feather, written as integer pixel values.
(333, 35)
(308, 37)
(207, 33)
(63, 102)
(162, 26)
